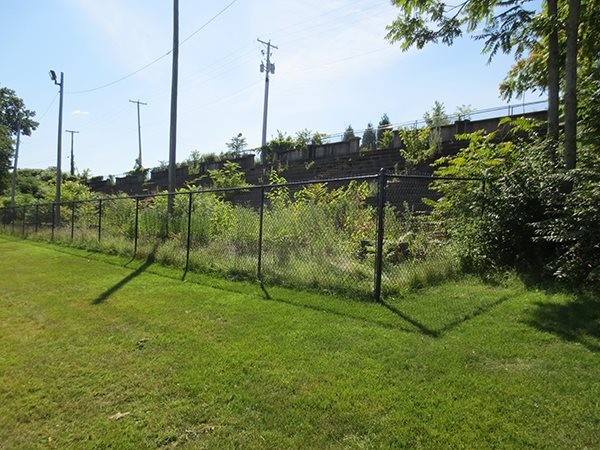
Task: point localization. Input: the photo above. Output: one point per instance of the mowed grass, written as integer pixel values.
(97, 355)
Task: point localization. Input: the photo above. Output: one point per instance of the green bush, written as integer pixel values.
(532, 215)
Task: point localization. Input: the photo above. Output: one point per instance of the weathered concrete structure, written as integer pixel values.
(333, 160)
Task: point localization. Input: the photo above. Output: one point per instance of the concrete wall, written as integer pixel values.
(333, 160)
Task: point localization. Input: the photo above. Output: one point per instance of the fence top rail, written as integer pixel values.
(247, 188)
(433, 178)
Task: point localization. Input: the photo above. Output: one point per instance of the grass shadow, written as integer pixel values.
(575, 321)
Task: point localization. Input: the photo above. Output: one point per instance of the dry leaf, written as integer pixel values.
(119, 415)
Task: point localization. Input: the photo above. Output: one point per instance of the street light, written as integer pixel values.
(54, 78)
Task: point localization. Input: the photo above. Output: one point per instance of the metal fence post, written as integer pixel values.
(260, 234)
(189, 233)
(72, 220)
(135, 237)
(99, 219)
(53, 220)
(382, 181)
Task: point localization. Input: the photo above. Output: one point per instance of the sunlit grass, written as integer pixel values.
(96, 355)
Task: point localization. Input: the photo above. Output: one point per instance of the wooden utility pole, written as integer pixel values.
(72, 155)
(268, 68)
(139, 158)
(173, 131)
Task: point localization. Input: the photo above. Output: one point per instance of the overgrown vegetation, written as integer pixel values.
(539, 210)
(533, 214)
(314, 236)
(284, 143)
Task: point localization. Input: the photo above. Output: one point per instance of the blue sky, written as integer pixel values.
(333, 68)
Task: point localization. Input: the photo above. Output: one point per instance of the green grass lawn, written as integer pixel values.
(94, 354)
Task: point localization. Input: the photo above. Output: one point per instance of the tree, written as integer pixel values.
(570, 102)
(435, 120)
(509, 26)
(369, 139)
(14, 118)
(14, 115)
(193, 162)
(6, 153)
(281, 143)
(318, 138)
(237, 144)
(437, 117)
(463, 112)
(229, 176)
(383, 126)
(387, 140)
(303, 138)
(348, 134)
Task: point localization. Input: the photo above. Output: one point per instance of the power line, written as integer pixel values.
(207, 23)
(49, 106)
(122, 78)
(157, 59)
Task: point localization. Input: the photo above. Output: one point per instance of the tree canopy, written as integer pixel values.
(369, 140)
(13, 113)
(549, 43)
(14, 117)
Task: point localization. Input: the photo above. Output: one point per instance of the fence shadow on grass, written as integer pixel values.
(106, 294)
(338, 313)
(450, 323)
(473, 314)
(415, 323)
(575, 321)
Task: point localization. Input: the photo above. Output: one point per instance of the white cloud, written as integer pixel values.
(80, 113)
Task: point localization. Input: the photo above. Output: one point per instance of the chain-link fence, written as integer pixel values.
(367, 236)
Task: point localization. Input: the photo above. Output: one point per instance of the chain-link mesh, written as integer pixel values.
(418, 249)
(415, 248)
(317, 234)
(224, 232)
(85, 221)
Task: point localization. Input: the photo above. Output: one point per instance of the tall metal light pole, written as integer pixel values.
(139, 159)
(59, 144)
(72, 156)
(267, 68)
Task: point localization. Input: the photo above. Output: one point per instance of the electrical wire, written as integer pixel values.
(49, 106)
(156, 59)
(193, 80)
